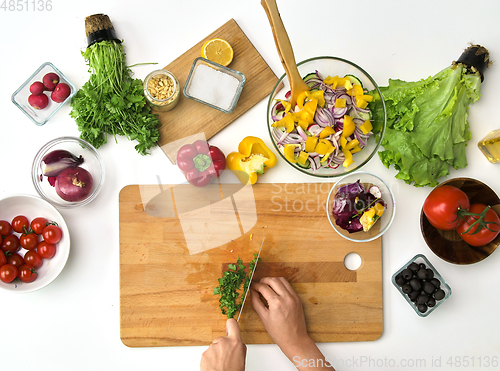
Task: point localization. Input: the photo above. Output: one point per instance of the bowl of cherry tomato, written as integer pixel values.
(460, 221)
(34, 243)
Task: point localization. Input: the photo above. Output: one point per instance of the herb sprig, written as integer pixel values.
(230, 285)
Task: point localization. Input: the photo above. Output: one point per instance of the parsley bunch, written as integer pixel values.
(230, 284)
(112, 102)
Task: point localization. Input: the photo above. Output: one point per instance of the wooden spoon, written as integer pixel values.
(285, 51)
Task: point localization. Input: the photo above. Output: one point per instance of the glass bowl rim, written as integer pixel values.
(393, 201)
(38, 158)
(382, 132)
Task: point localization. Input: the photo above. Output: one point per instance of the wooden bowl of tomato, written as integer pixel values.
(447, 243)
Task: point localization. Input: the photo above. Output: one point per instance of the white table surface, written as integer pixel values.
(74, 322)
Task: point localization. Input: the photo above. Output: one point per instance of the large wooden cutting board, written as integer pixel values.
(190, 117)
(172, 256)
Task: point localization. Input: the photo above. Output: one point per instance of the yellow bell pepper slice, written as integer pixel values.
(349, 126)
(356, 149)
(343, 142)
(348, 158)
(367, 97)
(323, 147)
(301, 98)
(351, 144)
(303, 124)
(340, 103)
(319, 95)
(361, 103)
(379, 209)
(286, 105)
(356, 90)
(332, 81)
(326, 132)
(328, 153)
(303, 157)
(286, 122)
(253, 158)
(366, 127)
(311, 143)
(289, 152)
(310, 107)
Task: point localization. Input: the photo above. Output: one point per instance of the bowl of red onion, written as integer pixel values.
(331, 131)
(68, 172)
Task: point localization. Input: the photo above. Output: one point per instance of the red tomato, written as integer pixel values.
(29, 241)
(5, 228)
(19, 223)
(479, 235)
(52, 234)
(33, 258)
(46, 250)
(8, 273)
(27, 273)
(38, 224)
(16, 260)
(441, 206)
(10, 244)
(3, 259)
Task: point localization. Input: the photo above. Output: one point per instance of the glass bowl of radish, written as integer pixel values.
(361, 206)
(331, 130)
(68, 172)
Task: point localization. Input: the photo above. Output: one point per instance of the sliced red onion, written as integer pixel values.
(56, 161)
(301, 132)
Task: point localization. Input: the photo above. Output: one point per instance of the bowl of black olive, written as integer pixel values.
(421, 285)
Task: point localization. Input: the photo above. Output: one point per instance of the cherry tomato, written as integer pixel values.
(5, 228)
(46, 250)
(441, 206)
(33, 258)
(16, 260)
(8, 273)
(38, 224)
(3, 259)
(478, 235)
(27, 273)
(52, 234)
(10, 244)
(29, 241)
(19, 223)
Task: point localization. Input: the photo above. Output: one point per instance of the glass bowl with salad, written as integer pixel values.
(361, 206)
(331, 131)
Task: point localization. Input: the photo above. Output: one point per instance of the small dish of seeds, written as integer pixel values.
(162, 90)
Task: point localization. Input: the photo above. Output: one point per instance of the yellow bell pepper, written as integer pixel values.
(301, 98)
(333, 81)
(286, 105)
(356, 90)
(286, 122)
(289, 152)
(340, 103)
(303, 157)
(366, 127)
(311, 143)
(326, 132)
(253, 158)
(356, 149)
(303, 124)
(350, 145)
(328, 153)
(323, 147)
(319, 95)
(349, 126)
(360, 103)
(348, 158)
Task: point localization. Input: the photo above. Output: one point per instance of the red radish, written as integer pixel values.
(37, 88)
(50, 81)
(60, 93)
(74, 184)
(38, 101)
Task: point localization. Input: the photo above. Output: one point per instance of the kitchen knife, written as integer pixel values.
(250, 282)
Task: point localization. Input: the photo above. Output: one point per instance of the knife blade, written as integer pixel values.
(250, 282)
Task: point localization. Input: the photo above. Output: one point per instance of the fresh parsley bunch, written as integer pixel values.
(112, 102)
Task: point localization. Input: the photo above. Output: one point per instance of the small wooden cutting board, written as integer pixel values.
(190, 117)
(171, 262)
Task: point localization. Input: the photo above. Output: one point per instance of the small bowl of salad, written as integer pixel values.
(361, 206)
(336, 127)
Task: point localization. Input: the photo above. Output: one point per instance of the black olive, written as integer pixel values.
(413, 267)
(422, 299)
(428, 287)
(439, 294)
(400, 280)
(430, 274)
(407, 274)
(422, 266)
(406, 288)
(422, 308)
(431, 302)
(422, 274)
(436, 282)
(413, 295)
(415, 284)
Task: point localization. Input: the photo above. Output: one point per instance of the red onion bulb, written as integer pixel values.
(74, 184)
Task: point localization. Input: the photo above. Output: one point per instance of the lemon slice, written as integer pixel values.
(218, 51)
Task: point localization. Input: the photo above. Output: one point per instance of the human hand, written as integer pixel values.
(226, 353)
(283, 317)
